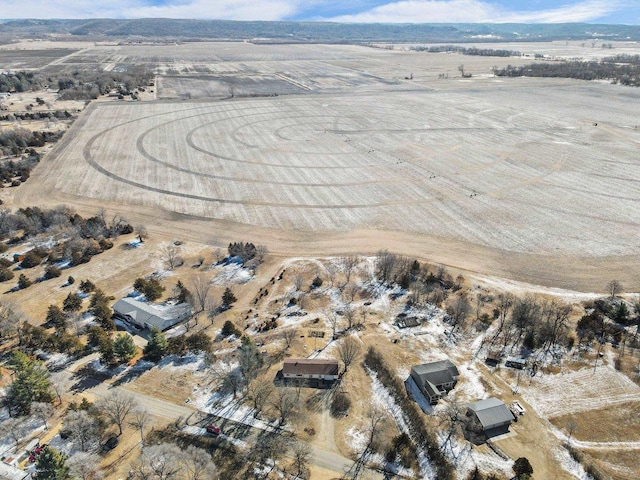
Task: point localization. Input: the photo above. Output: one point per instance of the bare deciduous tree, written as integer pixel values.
(85, 466)
(572, 426)
(43, 411)
(141, 232)
(171, 257)
(13, 428)
(83, 428)
(258, 393)
(298, 281)
(140, 419)
(159, 462)
(614, 287)
(350, 315)
(349, 264)
(198, 464)
(285, 404)
(332, 318)
(458, 309)
(301, 457)
(200, 288)
(385, 265)
(10, 318)
(116, 407)
(348, 350)
(289, 336)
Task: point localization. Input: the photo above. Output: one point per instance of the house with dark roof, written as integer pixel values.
(308, 369)
(435, 379)
(146, 315)
(490, 417)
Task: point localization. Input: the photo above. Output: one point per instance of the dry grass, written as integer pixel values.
(619, 424)
(621, 465)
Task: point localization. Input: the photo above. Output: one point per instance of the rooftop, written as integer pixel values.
(305, 366)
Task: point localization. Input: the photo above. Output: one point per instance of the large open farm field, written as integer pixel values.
(515, 177)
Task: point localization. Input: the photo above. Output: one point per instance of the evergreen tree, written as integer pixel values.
(123, 347)
(105, 347)
(23, 282)
(31, 384)
(522, 468)
(50, 465)
(56, 318)
(228, 298)
(157, 345)
(73, 303)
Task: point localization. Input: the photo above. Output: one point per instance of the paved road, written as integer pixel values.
(170, 411)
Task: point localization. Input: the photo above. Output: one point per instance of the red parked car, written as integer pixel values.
(213, 430)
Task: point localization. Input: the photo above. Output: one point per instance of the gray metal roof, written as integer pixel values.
(491, 413)
(143, 313)
(437, 373)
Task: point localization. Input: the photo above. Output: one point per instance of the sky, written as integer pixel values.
(383, 11)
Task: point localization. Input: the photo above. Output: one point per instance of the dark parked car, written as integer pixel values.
(111, 443)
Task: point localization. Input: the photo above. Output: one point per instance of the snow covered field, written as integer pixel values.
(560, 394)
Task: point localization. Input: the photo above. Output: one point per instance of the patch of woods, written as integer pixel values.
(472, 51)
(18, 140)
(78, 85)
(14, 172)
(81, 85)
(622, 69)
(59, 236)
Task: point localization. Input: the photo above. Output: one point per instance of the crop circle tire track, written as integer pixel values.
(95, 165)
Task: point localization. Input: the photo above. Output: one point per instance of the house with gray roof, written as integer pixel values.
(146, 315)
(435, 379)
(490, 416)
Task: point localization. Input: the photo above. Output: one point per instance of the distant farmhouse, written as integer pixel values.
(317, 371)
(435, 379)
(490, 417)
(145, 315)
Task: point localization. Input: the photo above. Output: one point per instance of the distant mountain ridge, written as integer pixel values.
(313, 31)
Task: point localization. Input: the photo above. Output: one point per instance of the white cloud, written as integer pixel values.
(201, 9)
(477, 11)
(218, 9)
(403, 11)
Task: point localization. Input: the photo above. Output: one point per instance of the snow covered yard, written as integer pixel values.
(560, 394)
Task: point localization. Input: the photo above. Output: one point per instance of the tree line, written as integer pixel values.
(473, 51)
(622, 69)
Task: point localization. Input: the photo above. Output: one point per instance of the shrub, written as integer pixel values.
(317, 282)
(522, 468)
(3, 246)
(71, 280)
(87, 286)
(5, 262)
(23, 282)
(52, 272)
(230, 329)
(30, 260)
(340, 404)
(5, 274)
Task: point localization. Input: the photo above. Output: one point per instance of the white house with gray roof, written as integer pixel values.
(435, 379)
(489, 416)
(146, 315)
